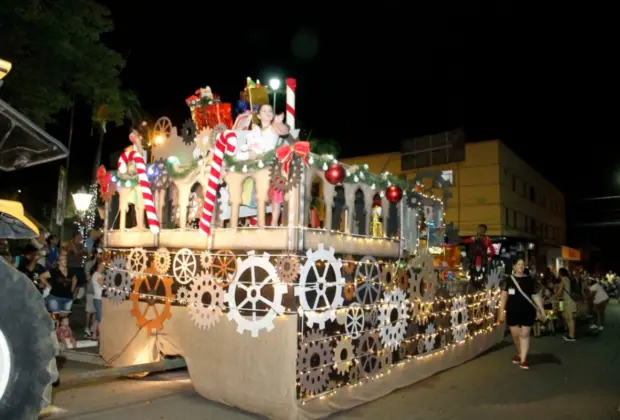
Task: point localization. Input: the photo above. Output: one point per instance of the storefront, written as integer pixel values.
(563, 257)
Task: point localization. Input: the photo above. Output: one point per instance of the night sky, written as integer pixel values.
(374, 77)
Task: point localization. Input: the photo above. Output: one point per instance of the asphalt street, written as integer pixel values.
(566, 381)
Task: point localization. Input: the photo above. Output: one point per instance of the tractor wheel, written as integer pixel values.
(26, 346)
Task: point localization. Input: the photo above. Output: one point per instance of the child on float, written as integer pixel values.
(263, 138)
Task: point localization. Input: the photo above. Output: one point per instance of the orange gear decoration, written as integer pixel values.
(155, 323)
(403, 280)
(223, 267)
(349, 291)
(348, 266)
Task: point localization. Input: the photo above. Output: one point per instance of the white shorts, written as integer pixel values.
(90, 306)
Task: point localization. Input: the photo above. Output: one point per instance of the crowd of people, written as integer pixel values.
(552, 302)
(64, 274)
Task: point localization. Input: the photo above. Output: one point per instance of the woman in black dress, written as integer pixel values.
(522, 304)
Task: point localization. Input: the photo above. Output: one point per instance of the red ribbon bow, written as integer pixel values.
(285, 153)
(106, 186)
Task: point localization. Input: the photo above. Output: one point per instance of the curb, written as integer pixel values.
(83, 357)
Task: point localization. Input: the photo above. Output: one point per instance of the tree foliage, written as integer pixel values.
(325, 147)
(56, 50)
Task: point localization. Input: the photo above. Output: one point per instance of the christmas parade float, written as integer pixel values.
(277, 312)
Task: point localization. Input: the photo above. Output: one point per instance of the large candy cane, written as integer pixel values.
(147, 195)
(291, 89)
(226, 143)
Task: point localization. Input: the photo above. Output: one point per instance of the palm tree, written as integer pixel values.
(117, 107)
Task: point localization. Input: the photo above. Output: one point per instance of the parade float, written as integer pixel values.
(290, 317)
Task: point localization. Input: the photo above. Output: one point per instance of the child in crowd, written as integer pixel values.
(97, 283)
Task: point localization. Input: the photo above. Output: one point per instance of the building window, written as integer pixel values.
(532, 194)
(507, 216)
(448, 176)
(533, 228)
(514, 219)
(524, 190)
(438, 149)
(526, 223)
(514, 183)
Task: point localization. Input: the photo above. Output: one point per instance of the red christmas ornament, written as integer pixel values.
(394, 194)
(334, 174)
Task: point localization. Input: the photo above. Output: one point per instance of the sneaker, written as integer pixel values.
(593, 327)
(567, 338)
(87, 334)
(516, 360)
(524, 365)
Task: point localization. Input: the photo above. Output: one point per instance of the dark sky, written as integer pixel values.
(369, 76)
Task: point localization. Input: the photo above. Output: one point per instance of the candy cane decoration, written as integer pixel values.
(145, 186)
(291, 88)
(226, 143)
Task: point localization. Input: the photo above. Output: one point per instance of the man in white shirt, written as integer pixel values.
(599, 301)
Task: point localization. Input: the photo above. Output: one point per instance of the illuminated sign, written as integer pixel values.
(571, 254)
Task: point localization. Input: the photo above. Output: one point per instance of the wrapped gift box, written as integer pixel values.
(219, 113)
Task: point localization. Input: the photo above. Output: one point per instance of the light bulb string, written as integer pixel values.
(401, 363)
(424, 336)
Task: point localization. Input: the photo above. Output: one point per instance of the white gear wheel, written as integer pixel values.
(421, 345)
(182, 295)
(205, 260)
(184, 265)
(320, 309)
(367, 351)
(385, 358)
(205, 315)
(393, 333)
(118, 280)
(429, 338)
(260, 320)
(343, 355)
(313, 361)
(460, 333)
(161, 258)
(493, 278)
(137, 260)
(369, 290)
(354, 321)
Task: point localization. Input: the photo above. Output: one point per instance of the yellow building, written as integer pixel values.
(490, 185)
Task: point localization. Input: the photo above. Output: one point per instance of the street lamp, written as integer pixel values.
(82, 200)
(274, 84)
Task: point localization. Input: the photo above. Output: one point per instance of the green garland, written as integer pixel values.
(361, 174)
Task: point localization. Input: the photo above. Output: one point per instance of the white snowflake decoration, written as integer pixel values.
(429, 338)
(493, 278)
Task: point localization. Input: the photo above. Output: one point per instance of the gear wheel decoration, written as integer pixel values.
(137, 260)
(118, 280)
(402, 279)
(421, 345)
(423, 279)
(188, 132)
(429, 338)
(162, 127)
(206, 301)
(148, 286)
(385, 359)
(184, 265)
(459, 318)
(223, 267)
(205, 260)
(403, 350)
(279, 180)
(349, 291)
(320, 289)
(161, 259)
(372, 317)
(348, 264)
(367, 351)
(343, 353)
(182, 295)
(313, 363)
(288, 268)
(354, 321)
(368, 273)
(443, 340)
(388, 276)
(158, 175)
(260, 274)
(393, 332)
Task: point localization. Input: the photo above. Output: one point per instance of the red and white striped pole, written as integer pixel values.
(226, 143)
(291, 89)
(145, 186)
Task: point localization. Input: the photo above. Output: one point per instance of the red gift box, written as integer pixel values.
(219, 113)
